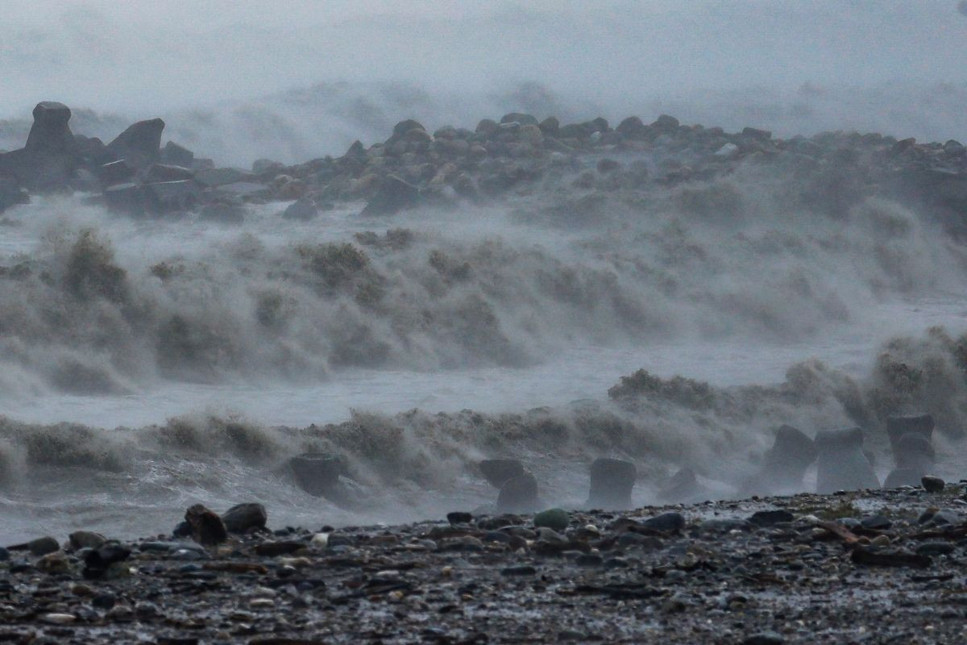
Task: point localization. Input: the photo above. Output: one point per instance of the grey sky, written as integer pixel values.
(179, 52)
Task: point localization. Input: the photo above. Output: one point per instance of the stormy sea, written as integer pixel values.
(568, 266)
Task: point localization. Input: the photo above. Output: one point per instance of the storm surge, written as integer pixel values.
(96, 303)
(677, 326)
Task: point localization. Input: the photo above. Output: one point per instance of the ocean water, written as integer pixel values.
(149, 364)
(152, 363)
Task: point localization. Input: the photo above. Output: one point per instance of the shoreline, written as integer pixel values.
(871, 566)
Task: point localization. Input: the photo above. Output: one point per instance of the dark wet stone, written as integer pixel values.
(841, 463)
(550, 126)
(518, 495)
(284, 547)
(589, 560)
(497, 536)
(50, 132)
(764, 638)
(219, 177)
(207, 527)
(86, 540)
(115, 172)
(944, 517)
(181, 530)
(11, 193)
(522, 570)
(666, 522)
(504, 521)
(245, 517)
(168, 196)
(889, 558)
(770, 518)
(405, 126)
(393, 195)
(632, 127)
(518, 117)
(140, 144)
(498, 471)
(666, 123)
(43, 546)
(554, 518)
(98, 561)
(723, 525)
(466, 544)
(757, 134)
(459, 517)
(339, 540)
(302, 209)
(177, 155)
(876, 523)
(935, 548)
(104, 600)
(638, 540)
(612, 481)
(932, 484)
(165, 172)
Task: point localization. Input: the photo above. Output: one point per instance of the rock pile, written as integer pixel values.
(516, 155)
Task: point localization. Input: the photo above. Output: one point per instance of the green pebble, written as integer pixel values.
(553, 518)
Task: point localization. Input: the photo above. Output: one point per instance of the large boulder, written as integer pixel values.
(243, 518)
(785, 463)
(611, 483)
(842, 464)
(393, 195)
(207, 528)
(50, 133)
(48, 160)
(519, 495)
(140, 144)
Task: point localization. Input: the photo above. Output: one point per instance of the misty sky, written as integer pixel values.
(240, 80)
(115, 55)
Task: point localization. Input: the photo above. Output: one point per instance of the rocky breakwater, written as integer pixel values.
(518, 155)
(876, 566)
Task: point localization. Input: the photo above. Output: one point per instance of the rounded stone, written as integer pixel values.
(553, 518)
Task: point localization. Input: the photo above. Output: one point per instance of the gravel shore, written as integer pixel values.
(869, 566)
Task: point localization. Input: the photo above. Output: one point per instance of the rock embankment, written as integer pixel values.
(870, 566)
(517, 155)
